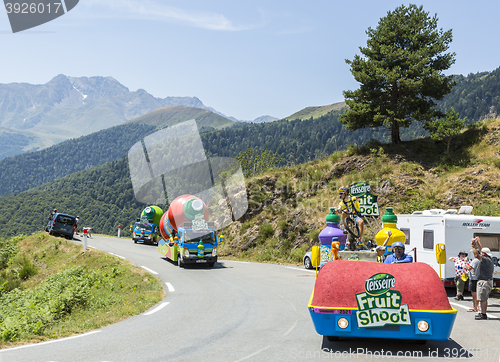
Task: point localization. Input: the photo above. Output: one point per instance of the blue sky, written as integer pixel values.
(244, 58)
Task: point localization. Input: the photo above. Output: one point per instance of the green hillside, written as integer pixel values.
(168, 116)
(289, 205)
(315, 112)
(25, 171)
(292, 200)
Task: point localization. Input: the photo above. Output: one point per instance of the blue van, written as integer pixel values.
(61, 224)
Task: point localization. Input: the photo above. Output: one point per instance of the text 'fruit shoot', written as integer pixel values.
(378, 305)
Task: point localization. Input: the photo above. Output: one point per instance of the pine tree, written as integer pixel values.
(445, 129)
(400, 72)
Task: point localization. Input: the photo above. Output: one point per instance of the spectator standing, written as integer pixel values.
(473, 269)
(460, 262)
(76, 224)
(485, 276)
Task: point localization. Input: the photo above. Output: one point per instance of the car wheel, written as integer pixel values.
(135, 241)
(332, 338)
(211, 264)
(51, 232)
(307, 263)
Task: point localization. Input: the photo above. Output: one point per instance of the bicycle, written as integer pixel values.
(350, 225)
(352, 228)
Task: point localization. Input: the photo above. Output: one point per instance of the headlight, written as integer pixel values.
(423, 326)
(343, 323)
(214, 251)
(186, 252)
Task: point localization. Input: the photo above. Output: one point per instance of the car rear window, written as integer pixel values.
(63, 219)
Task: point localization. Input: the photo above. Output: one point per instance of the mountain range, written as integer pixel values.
(36, 116)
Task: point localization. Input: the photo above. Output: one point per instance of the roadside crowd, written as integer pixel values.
(479, 272)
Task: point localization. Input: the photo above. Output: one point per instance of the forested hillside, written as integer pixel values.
(23, 172)
(102, 196)
(29, 170)
(304, 140)
(476, 96)
(414, 175)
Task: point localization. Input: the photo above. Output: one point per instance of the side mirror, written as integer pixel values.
(440, 253)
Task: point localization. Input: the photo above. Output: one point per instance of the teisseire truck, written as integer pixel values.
(187, 235)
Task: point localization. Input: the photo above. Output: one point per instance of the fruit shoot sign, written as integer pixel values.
(379, 306)
(367, 201)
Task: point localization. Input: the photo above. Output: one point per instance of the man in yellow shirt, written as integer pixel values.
(348, 202)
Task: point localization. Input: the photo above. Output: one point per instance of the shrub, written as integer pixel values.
(28, 269)
(313, 235)
(266, 231)
(30, 311)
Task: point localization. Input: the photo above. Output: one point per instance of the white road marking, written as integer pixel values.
(119, 256)
(253, 354)
(161, 306)
(48, 342)
(490, 316)
(236, 261)
(301, 269)
(170, 287)
(149, 270)
(291, 328)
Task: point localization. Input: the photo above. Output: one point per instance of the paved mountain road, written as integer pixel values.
(240, 311)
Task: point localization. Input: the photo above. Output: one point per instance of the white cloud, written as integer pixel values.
(153, 10)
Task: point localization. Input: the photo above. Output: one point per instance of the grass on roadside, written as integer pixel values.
(51, 288)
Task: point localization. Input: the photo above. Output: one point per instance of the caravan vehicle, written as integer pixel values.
(455, 229)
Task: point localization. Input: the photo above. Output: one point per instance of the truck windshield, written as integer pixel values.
(144, 227)
(191, 236)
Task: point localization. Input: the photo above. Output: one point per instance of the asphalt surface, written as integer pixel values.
(240, 311)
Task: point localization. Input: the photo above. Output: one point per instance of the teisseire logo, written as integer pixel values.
(379, 283)
(378, 305)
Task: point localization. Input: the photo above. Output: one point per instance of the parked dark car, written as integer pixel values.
(61, 224)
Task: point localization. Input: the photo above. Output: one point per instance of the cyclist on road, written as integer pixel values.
(348, 204)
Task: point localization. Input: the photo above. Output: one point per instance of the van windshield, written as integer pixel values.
(63, 219)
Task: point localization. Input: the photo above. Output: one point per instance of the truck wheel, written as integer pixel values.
(179, 262)
(135, 241)
(332, 338)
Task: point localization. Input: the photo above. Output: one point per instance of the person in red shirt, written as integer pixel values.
(461, 262)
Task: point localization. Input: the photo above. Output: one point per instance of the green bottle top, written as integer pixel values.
(332, 216)
(192, 208)
(389, 216)
(149, 212)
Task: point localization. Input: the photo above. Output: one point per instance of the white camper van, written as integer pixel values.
(455, 229)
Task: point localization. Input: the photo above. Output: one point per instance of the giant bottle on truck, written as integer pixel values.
(187, 235)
